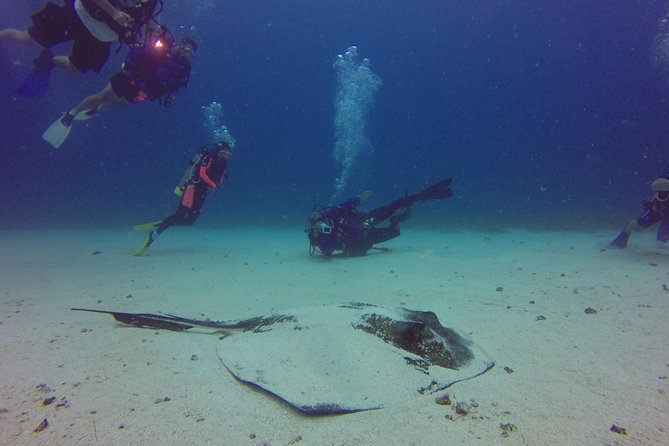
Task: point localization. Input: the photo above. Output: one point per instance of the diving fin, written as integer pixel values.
(36, 83)
(58, 132)
(150, 237)
(147, 226)
(438, 191)
(620, 242)
(396, 219)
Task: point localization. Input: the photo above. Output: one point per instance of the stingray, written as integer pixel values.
(336, 359)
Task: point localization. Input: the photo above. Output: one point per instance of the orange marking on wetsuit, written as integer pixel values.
(141, 96)
(188, 197)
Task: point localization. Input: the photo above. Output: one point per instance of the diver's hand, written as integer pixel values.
(123, 19)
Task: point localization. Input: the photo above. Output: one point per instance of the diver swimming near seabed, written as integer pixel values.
(206, 172)
(344, 228)
(656, 209)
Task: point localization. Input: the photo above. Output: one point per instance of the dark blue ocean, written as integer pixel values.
(547, 114)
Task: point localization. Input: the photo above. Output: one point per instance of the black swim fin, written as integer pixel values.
(36, 83)
(620, 242)
(437, 191)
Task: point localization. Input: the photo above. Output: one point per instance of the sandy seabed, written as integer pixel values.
(562, 375)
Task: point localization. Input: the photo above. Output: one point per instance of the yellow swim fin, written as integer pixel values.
(147, 226)
(150, 237)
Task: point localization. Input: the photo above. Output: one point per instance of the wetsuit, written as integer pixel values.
(353, 232)
(54, 24)
(344, 228)
(149, 73)
(657, 210)
(208, 175)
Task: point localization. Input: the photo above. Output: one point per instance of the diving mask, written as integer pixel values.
(323, 228)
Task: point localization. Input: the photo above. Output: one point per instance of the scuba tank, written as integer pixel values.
(190, 171)
(141, 11)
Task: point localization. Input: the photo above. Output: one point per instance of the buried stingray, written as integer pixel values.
(337, 359)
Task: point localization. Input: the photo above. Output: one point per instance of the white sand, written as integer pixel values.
(574, 374)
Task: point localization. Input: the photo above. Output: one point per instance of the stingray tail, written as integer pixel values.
(177, 323)
(146, 320)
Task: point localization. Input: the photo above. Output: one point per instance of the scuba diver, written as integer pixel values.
(150, 72)
(206, 172)
(344, 228)
(655, 210)
(92, 25)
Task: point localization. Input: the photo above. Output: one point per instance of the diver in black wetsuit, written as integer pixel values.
(153, 71)
(344, 228)
(92, 26)
(207, 172)
(656, 210)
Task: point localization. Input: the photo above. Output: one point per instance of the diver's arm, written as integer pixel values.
(354, 202)
(152, 28)
(117, 15)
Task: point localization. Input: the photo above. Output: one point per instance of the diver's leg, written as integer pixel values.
(193, 211)
(398, 218)
(151, 237)
(437, 191)
(64, 63)
(621, 240)
(189, 208)
(645, 220)
(380, 235)
(87, 53)
(186, 214)
(382, 213)
(103, 100)
(190, 218)
(17, 36)
(663, 231)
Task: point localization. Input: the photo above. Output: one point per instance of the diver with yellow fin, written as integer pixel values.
(207, 171)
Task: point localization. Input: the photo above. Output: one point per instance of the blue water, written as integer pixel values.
(547, 114)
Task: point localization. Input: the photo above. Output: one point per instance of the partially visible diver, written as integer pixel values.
(92, 25)
(344, 228)
(656, 210)
(206, 172)
(150, 72)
